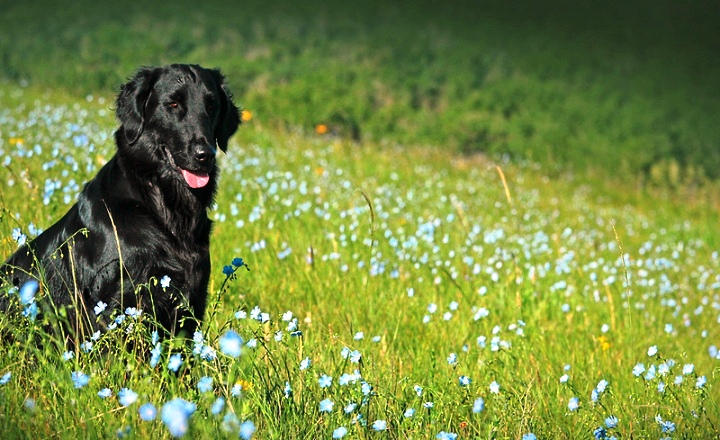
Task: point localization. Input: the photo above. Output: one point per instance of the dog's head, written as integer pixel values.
(173, 119)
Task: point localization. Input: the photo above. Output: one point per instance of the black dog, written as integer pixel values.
(144, 216)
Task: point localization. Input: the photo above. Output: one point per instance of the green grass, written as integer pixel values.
(601, 243)
(392, 232)
(629, 89)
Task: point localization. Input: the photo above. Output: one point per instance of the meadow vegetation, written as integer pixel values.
(464, 253)
(629, 88)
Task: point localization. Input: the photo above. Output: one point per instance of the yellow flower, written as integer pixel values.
(244, 385)
(246, 115)
(604, 343)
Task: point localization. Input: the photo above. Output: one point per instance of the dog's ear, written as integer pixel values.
(229, 118)
(132, 102)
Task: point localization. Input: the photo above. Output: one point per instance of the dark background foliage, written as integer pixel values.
(625, 88)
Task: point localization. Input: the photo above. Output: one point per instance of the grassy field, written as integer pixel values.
(629, 88)
(402, 284)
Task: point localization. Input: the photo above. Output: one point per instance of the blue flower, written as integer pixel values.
(366, 388)
(155, 355)
(638, 370)
(165, 282)
(665, 425)
(231, 343)
(31, 311)
(147, 412)
(652, 351)
(133, 312)
(442, 435)
(208, 353)
(355, 356)
(602, 386)
(18, 236)
(79, 379)
(379, 425)
(105, 393)
(409, 413)
(198, 342)
(100, 307)
(339, 432)
(217, 406)
(205, 384)
(326, 405)
(478, 405)
(650, 375)
(255, 313)
(28, 291)
(350, 407)
(600, 433)
(127, 397)
(464, 381)
(68, 355)
(701, 381)
(287, 390)
(176, 416)
(238, 262)
(611, 422)
(325, 381)
(574, 403)
(688, 369)
(305, 363)
(175, 362)
(247, 429)
(228, 270)
(452, 359)
(495, 387)
(5, 378)
(529, 436)
(346, 379)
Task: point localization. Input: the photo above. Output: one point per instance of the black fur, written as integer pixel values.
(142, 218)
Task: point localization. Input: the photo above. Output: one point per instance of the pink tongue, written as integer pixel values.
(195, 180)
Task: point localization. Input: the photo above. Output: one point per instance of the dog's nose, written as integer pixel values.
(204, 153)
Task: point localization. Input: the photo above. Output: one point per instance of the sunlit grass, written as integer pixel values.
(399, 292)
